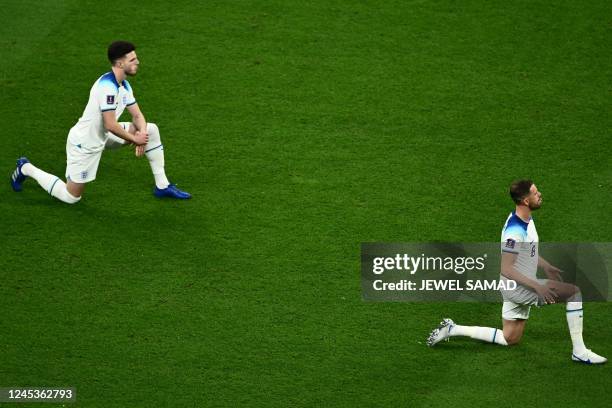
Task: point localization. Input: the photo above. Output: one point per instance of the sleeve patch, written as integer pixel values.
(510, 243)
(110, 99)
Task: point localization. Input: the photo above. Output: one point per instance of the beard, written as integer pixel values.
(535, 206)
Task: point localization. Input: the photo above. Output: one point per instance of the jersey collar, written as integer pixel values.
(112, 77)
(519, 219)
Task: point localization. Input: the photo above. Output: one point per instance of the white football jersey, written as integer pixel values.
(106, 94)
(521, 238)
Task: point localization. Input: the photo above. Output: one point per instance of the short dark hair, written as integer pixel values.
(519, 189)
(118, 49)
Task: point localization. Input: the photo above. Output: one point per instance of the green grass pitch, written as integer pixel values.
(302, 129)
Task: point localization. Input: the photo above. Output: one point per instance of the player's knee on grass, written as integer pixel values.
(60, 191)
(513, 331)
(69, 198)
(75, 191)
(513, 338)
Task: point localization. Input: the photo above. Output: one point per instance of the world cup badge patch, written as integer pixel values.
(110, 99)
(510, 243)
(83, 175)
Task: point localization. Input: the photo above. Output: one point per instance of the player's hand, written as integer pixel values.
(140, 138)
(140, 150)
(546, 293)
(554, 273)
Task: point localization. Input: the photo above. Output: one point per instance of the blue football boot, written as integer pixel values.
(17, 178)
(171, 191)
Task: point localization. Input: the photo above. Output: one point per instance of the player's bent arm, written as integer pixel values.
(551, 271)
(543, 263)
(111, 125)
(508, 270)
(138, 118)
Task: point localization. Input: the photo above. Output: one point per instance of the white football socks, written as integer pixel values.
(574, 321)
(155, 153)
(488, 334)
(50, 183)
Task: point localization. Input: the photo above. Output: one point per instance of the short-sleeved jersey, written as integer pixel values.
(106, 94)
(521, 238)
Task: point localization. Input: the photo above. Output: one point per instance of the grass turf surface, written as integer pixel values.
(302, 130)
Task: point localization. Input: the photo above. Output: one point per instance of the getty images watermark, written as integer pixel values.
(471, 271)
(422, 263)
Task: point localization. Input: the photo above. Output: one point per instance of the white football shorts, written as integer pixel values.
(81, 165)
(518, 302)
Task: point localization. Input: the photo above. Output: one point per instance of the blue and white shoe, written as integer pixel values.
(172, 192)
(17, 178)
(442, 332)
(588, 357)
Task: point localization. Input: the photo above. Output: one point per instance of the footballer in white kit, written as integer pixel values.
(521, 239)
(98, 130)
(88, 138)
(520, 262)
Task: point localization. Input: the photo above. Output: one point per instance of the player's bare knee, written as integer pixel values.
(76, 190)
(513, 341)
(512, 338)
